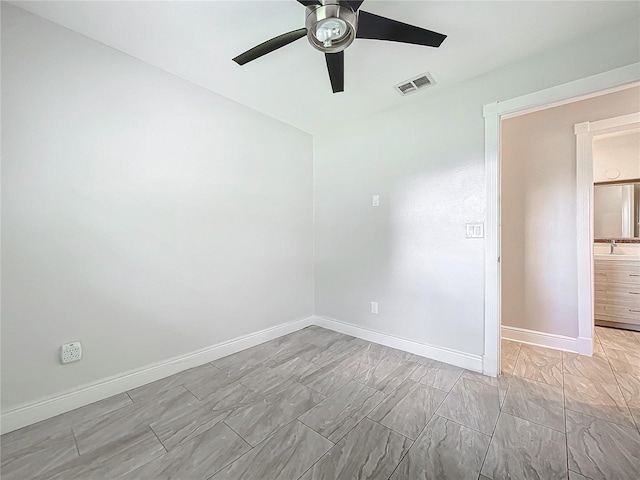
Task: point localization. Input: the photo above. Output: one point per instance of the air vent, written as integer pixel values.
(406, 88)
(414, 84)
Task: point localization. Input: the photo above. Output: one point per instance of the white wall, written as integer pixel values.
(617, 151)
(426, 160)
(142, 215)
(538, 192)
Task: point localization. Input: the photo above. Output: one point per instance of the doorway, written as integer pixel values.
(607, 156)
(494, 114)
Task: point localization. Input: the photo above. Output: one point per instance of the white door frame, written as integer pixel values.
(493, 114)
(585, 132)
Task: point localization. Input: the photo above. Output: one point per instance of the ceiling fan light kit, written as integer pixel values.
(331, 26)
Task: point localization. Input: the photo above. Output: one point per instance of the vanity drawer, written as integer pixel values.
(628, 275)
(618, 294)
(617, 291)
(617, 265)
(625, 313)
(617, 320)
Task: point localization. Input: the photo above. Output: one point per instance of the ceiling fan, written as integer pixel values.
(331, 26)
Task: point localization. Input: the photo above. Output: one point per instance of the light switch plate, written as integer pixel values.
(375, 201)
(475, 230)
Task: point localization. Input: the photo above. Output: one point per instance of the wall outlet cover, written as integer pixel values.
(71, 352)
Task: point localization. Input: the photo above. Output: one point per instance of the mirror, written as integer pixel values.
(616, 192)
(616, 210)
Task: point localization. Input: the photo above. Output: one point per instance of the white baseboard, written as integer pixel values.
(548, 340)
(55, 405)
(42, 409)
(452, 357)
(585, 346)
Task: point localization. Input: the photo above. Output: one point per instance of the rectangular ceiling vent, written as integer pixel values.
(414, 84)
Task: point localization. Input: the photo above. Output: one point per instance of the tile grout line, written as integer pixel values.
(601, 419)
(536, 423)
(446, 397)
(385, 396)
(75, 441)
(542, 381)
(389, 428)
(245, 453)
(588, 478)
(486, 454)
(597, 338)
(624, 399)
(156, 435)
(506, 394)
(515, 364)
(430, 419)
(327, 452)
(633, 419)
(311, 428)
(562, 370)
(409, 449)
(617, 386)
(194, 395)
(419, 434)
(476, 381)
(602, 382)
(461, 424)
(243, 439)
(366, 415)
(323, 455)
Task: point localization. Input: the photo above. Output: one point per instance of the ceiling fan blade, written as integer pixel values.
(355, 5)
(309, 3)
(376, 27)
(335, 65)
(269, 46)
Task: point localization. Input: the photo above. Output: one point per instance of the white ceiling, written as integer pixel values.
(196, 40)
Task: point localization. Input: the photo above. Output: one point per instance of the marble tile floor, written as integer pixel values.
(316, 404)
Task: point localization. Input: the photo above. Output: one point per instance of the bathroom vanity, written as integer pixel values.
(617, 291)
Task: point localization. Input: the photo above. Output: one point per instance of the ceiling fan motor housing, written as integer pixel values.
(331, 27)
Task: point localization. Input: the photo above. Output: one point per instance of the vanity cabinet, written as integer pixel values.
(617, 293)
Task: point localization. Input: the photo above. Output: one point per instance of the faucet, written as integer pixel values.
(613, 245)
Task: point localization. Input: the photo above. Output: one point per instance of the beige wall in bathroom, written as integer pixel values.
(538, 191)
(617, 151)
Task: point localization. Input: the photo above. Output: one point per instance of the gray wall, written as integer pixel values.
(426, 160)
(141, 215)
(149, 218)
